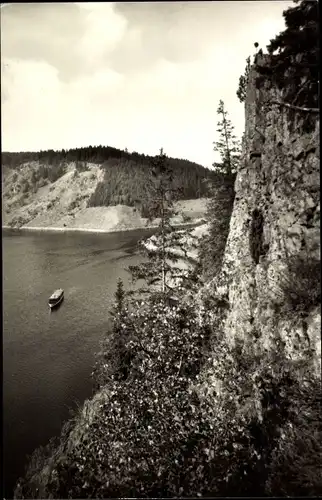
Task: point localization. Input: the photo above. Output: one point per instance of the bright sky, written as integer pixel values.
(129, 75)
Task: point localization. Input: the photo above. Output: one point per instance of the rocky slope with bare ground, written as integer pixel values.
(30, 201)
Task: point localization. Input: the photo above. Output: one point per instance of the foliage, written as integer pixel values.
(301, 283)
(219, 210)
(27, 486)
(125, 182)
(222, 196)
(114, 359)
(227, 145)
(25, 186)
(295, 68)
(259, 397)
(149, 431)
(296, 465)
(195, 416)
(161, 272)
(243, 82)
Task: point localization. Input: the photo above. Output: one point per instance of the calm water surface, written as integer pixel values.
(48, 356)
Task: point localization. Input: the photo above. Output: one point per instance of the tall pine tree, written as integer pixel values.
(114, 359)
(227, 144)
(222, 194)
(161, 271)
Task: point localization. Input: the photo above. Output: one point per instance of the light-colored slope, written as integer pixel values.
(62, 205)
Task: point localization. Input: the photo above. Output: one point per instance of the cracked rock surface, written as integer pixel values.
(275, 222)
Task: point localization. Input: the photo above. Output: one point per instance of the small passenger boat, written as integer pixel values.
(56, 298)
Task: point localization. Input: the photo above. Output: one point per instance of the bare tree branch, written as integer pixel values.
(296, 108)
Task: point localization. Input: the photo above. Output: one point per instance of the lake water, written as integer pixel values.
(48, 356)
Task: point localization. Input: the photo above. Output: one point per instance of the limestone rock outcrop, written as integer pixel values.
(271, 268)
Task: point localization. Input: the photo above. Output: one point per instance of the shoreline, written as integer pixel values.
(97, 231)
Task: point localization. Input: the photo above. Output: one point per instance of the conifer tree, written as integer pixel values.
(161, 272)
(222, 194)
(113, 359)
(119, 297)
(243, 82)
(227, 145)
(295, 67)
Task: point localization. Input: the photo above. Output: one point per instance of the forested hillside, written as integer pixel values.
(125, 173)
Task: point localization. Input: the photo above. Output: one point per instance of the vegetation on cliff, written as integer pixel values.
(162, 428)
(222, 197)
(294, 70)
(161, 270)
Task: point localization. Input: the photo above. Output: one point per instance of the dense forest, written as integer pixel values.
(125, 173)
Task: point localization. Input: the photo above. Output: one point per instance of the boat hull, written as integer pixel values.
(55, 305)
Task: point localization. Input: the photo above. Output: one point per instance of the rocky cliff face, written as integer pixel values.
(271, 268)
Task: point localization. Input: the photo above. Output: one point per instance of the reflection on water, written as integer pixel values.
(48, 356)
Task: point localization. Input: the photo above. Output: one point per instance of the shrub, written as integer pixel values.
(181, 412)
(301, 283)
(149, 429)
(34, 177)
(296, 465)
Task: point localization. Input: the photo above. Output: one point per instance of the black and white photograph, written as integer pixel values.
(160, 167)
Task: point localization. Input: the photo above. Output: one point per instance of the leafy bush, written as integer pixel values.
(167, 429)
(72, 205)
(149, 429)
(301, 283)
(260, 397)
(296, 465)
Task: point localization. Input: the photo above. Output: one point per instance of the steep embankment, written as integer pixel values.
(271, 272)
(32, 201)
